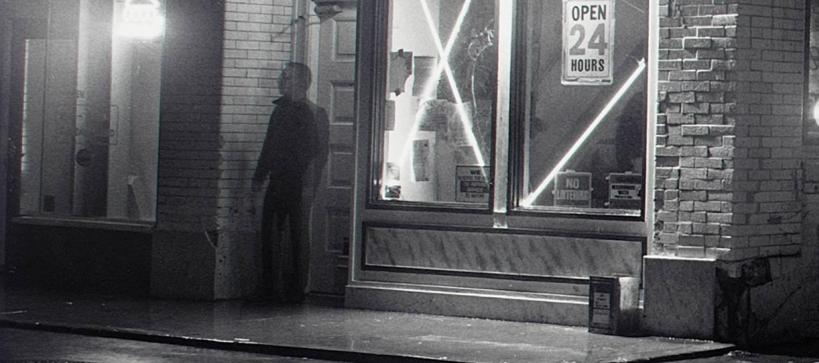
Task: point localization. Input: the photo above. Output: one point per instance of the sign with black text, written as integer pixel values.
(573, 189)
(625, 190)
(588, 37)
(473, 184)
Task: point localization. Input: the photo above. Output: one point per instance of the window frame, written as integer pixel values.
(28, 28)
(381, 48)
(519, 96)
(514, 116)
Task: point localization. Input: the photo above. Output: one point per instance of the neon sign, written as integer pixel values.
(141, 19)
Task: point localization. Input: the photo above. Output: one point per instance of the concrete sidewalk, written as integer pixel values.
(331, 333)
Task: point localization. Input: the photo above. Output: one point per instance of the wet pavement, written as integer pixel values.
(22, 345)
(740, 356)
(320, 332)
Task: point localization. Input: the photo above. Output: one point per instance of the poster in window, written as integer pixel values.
(421, 163)
(588, 42)
(473, 184)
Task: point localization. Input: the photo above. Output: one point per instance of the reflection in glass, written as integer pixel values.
(583, 145)
(438, 114)
(90, 115)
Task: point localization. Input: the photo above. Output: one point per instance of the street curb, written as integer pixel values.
(230, 345)
(296, 351)
(684, 356)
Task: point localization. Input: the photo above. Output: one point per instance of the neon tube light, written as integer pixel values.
(527, 202)
(466, 121)
(443, 66)
(450, 42)
(430, 82)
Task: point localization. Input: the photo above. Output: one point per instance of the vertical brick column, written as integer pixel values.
(220, 69)
(769, 80)
(695, 127)
(257, 46)
(729, 159)
(695, 152)
(185, 242)
(760, 275)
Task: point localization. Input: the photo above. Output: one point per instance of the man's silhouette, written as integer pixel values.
(296, 137)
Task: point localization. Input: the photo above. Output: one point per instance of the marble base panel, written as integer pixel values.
(484, 304)
(510, 253)
(680, 296)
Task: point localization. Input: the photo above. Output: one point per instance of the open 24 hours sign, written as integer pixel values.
(588, 37)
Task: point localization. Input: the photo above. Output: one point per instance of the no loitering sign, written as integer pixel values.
(573, 189)
(588, 37)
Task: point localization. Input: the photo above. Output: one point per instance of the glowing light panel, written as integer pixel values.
(527, 202)
(141, 19)
(816, 113)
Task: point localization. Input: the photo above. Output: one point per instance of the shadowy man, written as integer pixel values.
(295, 145)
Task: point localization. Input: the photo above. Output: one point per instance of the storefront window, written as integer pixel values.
(583, 114)
(90, 110)
(812, 114)
(436, 134)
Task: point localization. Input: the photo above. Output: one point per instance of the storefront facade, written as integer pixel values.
(133, 128)
(502, 162)
(459, 211)
(487, 158)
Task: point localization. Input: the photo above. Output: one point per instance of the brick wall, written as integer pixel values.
(766, 235)
(189, 126)
(810, 240)
(769, 80)
(257, 45)
(730, 160)
(220, 70)
(810, 227)
(183, 252)
(695, 127)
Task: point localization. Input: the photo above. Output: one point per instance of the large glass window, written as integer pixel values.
(583, 109)
(90, 109)
(577, 114)
(436, 135)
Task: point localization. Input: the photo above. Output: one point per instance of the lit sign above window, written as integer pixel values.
(141, 19)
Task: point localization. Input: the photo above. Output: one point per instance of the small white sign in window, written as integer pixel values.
(588, 37)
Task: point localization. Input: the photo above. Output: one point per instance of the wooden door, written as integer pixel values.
(335, 84)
